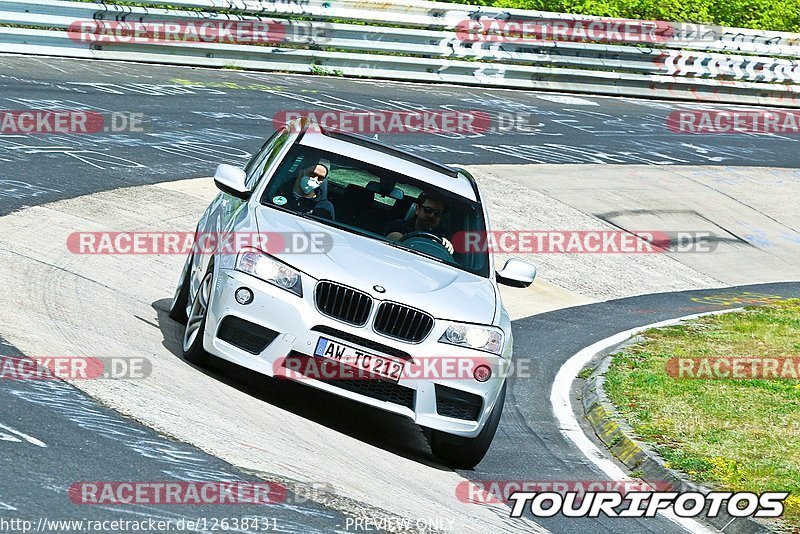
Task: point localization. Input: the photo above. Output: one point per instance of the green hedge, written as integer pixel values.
(776, 15)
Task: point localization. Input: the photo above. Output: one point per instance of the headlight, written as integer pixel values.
(486, 338)
(270, 270)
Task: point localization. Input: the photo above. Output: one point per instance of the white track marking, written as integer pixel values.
(26, 437)
(567, 99)
(568, 422)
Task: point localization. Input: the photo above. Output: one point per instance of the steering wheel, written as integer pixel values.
(435, 248)
(420, 233)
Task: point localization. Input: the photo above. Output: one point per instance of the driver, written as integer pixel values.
(427, 218)
(304, 193)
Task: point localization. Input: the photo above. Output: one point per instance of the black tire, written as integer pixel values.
(177, 310)
(466, 453)
(193, 351)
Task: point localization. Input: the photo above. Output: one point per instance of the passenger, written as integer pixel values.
(306, 193)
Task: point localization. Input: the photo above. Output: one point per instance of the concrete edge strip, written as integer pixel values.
(347, 505)
(571, 428)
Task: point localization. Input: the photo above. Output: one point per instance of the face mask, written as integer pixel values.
(308, 184)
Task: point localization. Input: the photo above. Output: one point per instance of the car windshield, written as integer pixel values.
(395, 209)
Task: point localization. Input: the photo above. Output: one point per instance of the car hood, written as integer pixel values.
(362, 262)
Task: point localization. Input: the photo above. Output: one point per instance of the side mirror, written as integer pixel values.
(516, 273)
(231, 180)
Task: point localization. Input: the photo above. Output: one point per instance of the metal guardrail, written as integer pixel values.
(425, 42)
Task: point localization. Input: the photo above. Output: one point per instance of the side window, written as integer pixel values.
(255, 169)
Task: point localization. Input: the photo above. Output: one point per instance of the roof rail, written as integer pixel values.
(387, 149)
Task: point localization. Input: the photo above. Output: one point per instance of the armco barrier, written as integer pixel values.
(425, 41)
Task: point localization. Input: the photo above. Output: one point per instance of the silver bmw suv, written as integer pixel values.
(358, 282)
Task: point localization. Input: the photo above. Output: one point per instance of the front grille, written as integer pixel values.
(379, 389)
(402, 322)
(457, 404)
(363, 342)
(343, 303)
(248, 336)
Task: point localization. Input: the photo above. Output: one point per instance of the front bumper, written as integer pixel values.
(297, 325)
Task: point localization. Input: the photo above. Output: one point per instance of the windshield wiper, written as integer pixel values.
(339, 225)
(395, 244)
(285, 210)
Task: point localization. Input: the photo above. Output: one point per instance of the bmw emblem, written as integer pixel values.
(379, 289)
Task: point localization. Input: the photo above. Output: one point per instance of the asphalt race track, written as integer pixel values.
(198, 118)
(52, 435)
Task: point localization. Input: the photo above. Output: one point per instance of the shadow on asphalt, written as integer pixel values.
(390, 432)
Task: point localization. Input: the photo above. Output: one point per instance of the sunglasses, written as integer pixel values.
(428, 211)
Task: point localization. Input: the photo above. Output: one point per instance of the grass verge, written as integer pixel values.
(732, 434)
(774, 15)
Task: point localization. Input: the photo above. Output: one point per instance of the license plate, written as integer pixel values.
(384, 367)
